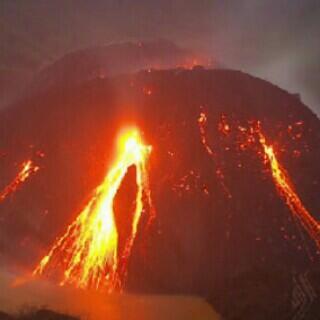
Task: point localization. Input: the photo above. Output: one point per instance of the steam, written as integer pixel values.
(94, 305)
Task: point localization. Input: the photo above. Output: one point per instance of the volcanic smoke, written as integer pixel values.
(87, 253)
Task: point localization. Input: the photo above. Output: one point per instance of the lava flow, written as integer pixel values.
(27, 169)
(280, 177)
(286, 190)
(202, 123)
(88, 251)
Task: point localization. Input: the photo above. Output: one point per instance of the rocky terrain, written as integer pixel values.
(232, 241)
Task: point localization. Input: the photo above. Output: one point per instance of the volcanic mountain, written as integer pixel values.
(107, 60)
(21, 75)
(219, 215)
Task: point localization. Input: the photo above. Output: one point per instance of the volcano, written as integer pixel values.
(219, 215)
(108, 60)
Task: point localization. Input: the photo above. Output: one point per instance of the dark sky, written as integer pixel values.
(274, 39)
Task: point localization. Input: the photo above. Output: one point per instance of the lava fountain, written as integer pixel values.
(87, 254)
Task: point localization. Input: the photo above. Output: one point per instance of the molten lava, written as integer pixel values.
(202, 123)
(88, 251)
(28, 168)
(286, 190)
(249, 137)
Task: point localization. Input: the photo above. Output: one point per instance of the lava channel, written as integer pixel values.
(87, 254)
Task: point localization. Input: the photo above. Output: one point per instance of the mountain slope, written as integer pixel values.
(209, 228)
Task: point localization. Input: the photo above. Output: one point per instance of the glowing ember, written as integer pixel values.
(147, 91)
(27, 169)
(286, 190)
(202, 122)
(88, 251)
(248, 137)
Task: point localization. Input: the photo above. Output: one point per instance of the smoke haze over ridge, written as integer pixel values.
(275, 40)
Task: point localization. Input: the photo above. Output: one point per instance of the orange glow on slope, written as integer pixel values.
(27, 169)
(286, 190)
(281, 179)
(88, 251)
(202, 122)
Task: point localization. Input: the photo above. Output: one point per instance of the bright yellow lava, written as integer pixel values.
(88, 251)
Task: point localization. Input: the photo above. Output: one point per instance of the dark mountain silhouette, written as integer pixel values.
(200, 243)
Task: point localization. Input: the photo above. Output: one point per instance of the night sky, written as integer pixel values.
(274, 39)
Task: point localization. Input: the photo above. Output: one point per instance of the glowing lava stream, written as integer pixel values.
(88, 251)
(202, 123)
(27, 169)
(286, 190)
